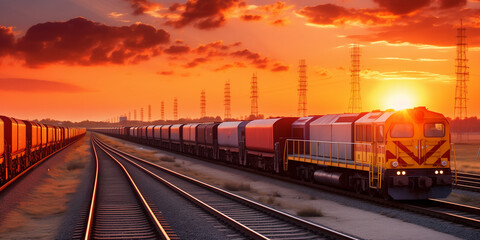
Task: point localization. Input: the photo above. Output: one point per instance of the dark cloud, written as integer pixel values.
(7, 41)
(256, 59)
(325, 14)
(142, 6)
(203, 14)
(429, 25)
(427, 31)
(279, 68)
(279, 22)
(196, 62)
(166, 73)
(215, 48)
(36, 85)
(83, 42)
(174, 7)
(402, 6)
(275, 8)
(228, 66)
(234, 58)
(176, 49)
(452, 3)
(249, 17)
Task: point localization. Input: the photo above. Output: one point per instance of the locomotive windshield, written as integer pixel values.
(434, 130)
(402, 130)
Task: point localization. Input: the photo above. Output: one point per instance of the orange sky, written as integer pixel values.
(99, 59)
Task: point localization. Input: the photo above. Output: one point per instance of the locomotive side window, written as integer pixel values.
(379, 135)
(402, 130)
(434, 130)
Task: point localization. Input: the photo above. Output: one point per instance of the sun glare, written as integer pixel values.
(400, 100)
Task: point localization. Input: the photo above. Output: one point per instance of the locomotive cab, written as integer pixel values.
(417, 155)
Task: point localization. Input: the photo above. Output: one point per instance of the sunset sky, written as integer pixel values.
(97, 59)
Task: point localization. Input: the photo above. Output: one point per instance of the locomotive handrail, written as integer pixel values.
(304, 140)
(295, 147)
(296, 150)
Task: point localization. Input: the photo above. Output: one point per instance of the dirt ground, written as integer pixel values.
(39, 213)
(467, 157)
(363, 224)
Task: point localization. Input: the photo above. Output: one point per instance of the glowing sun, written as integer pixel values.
(400, 99)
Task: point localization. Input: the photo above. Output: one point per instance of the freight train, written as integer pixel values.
(400, 155)
(23, 143)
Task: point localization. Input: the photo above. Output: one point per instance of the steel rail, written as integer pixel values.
(442, 209)
(266, 209)
(158, 228)
(88, 230)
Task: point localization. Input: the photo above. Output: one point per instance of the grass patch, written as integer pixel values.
(233, 186)
(309, 212)
(167, 158)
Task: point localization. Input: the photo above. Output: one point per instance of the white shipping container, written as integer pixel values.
(228, 134)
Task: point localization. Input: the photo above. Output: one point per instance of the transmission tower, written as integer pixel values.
(162, 111)
(175, 109)
(135, 114)
(227, 100)
(129, 116)
(254, 96)
(141, 114)
(462, 74)
(302, 88)
(149, 112)
(355, 103)
(203, 104)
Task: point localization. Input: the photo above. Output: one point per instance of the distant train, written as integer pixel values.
(396, 154)
(23, 143)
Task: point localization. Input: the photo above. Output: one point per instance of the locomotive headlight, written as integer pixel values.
(436, 171)
(398, 172)
(395, 164)
(403, 172)
(444, 163)
(441, 171)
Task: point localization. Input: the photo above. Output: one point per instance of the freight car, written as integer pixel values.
(396, 154)
(23, 143)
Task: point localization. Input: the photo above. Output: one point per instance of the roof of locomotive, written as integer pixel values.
(415, 114)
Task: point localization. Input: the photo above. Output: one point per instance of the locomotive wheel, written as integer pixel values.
(357, 186)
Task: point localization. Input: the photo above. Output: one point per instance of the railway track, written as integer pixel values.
(252, 219)
(468, 181)
(457, 213)
(118, 209)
